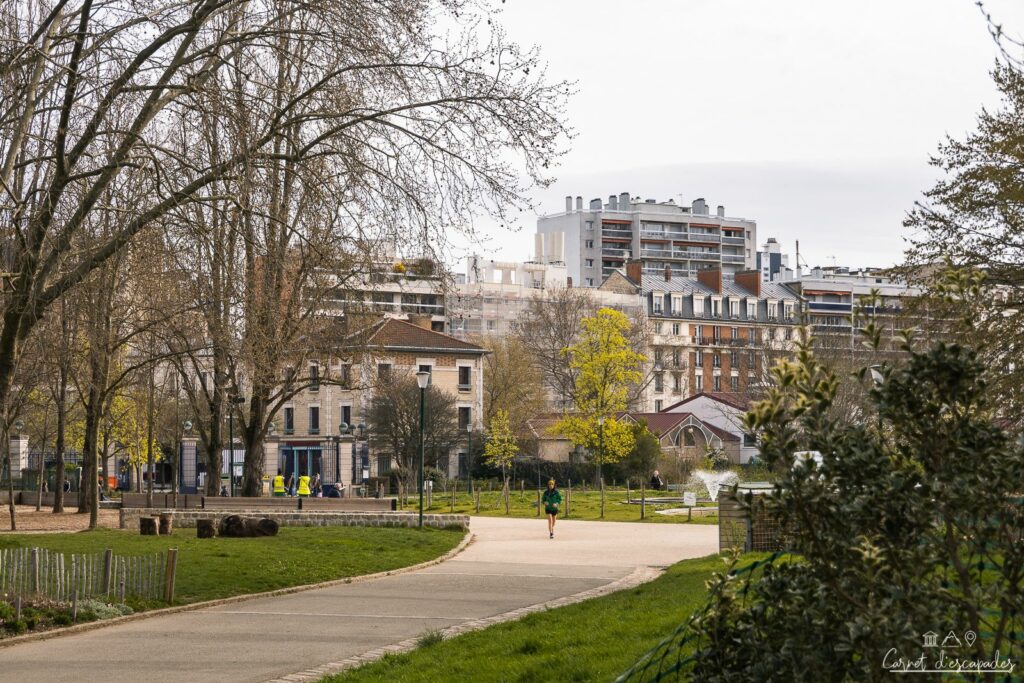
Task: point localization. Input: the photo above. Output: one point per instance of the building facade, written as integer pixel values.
(596, 240)
(714, 332)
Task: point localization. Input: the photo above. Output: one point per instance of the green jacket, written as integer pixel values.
(551, 497)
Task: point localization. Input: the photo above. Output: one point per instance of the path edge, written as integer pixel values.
(638, 576)
(467, 539)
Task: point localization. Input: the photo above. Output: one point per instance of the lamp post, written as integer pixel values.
(343, 428)
(186, 427)
(422, 379)
(235, 400)
(469, 449)
(600, 445)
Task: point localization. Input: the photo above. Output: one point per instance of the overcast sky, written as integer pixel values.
(814, 118)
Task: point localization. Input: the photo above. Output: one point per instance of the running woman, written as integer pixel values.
(552, 498)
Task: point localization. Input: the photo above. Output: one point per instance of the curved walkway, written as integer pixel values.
(511, 565)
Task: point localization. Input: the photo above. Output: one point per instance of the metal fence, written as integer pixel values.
(40, 572)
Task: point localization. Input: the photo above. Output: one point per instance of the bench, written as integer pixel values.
(252, 503)
(161, 500)
(349, 504)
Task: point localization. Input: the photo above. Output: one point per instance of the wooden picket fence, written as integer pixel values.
(40, 572)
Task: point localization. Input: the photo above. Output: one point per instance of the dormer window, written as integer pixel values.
(734, 308)
(773, 310)
(698, 306)
(716, 307)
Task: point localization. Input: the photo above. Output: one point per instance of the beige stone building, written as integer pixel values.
(323, 429)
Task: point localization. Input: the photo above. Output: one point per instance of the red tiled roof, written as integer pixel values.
(394, 334)
(720, 433)
(659, 423)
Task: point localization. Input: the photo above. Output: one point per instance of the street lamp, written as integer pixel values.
(422, 379)
(343, 428)
(186, 427)
(235, 400)
(600, 445)
(469, 449)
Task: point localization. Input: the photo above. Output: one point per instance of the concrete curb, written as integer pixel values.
(467, 539)
(638, 576)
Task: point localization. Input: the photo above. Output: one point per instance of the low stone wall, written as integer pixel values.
(187, 518)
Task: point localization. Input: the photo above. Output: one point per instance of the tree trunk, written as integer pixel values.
(62, 416)
(252, 437)
(88, 490)
(150, 461)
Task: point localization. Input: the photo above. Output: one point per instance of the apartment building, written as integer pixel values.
(715, 332)
(830, 294)
(495, 294)
(308, 426)
(595, 240)
(773, 264)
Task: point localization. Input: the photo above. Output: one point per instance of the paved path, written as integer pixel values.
(512, 564)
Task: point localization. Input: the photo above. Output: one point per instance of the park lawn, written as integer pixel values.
(594, 640)
(583, 506)
(222, 567)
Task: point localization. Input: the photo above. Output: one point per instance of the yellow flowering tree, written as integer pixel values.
(606, 367)
(501, 449)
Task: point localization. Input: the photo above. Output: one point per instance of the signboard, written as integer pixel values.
(690, 499)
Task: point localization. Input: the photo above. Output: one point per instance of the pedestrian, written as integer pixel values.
(291, 485)
(656, 481)
(304, 486)
(279, 485)
(224, 491)
(316, 487)
(552, 499)
(67, 486)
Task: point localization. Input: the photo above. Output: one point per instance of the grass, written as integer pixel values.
(594, 640)
(585, 506)
(223, 567)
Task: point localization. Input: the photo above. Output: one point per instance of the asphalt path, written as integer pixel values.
(511, 564)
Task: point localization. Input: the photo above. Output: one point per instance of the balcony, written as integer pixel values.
(617, 232)
(700, 237)
(732, 258)
(734, 240)
(616, 253)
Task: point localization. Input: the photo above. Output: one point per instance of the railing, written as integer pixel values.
(733, 240)
(682, 254)
(681, 236)
(616, 232)
(701, 237)
(617, 253)
(40, 572)
(732, 258)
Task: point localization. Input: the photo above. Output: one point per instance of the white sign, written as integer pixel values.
(689, 499)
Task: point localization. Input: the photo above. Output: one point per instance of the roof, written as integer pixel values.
(690, 285)
(720, 433)
(659, 423)
(737, 401)
(394, 334)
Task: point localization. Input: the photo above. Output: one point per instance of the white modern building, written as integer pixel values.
(595, 240)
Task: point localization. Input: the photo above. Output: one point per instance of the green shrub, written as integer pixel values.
(6, 611)
(910, 523)
(428, 638)
(16, 627)
(91, 610)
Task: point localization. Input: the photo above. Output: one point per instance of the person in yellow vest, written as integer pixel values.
(304, 486)
(279, 485)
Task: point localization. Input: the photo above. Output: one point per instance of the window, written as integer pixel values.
(589, 262)
(659, 382)
(491, 325)
(716, 308)
(464, 377)
(383, 371)
(677, 305)
(789, 334)
(699, 382)
(751, 360)
(588, 244)
(588, 282)
(688, 439)
(289, 375)
(657, 328)
(733, 359)
(735, 333)
(734, 308)
(773, 310)
(657, 406)
(657, 356)
(657, 302)
(314, 419)
(345, 374)
(346, 415)
(698, 306)
(749, 440)
(716, 362)
(751, 310)
(699, 360)
(718, 382)
(430, 371)
(314, 378)
(676, 357)
(289, 420)
(589, 225)
(700, 331)
(675, 329)
(464, 417)
(677, 383)
(734, 383)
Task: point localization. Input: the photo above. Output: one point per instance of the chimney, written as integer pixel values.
(579, 203)
(624, 202)
(700, 207)
(568, 204)
(613, 202)
(423, 321)
(634, 271)
(595, 204)
(721, 211)
(711, 278)
(668, 273)
(750, 280)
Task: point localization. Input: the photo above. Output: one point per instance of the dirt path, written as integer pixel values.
(30, 521)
